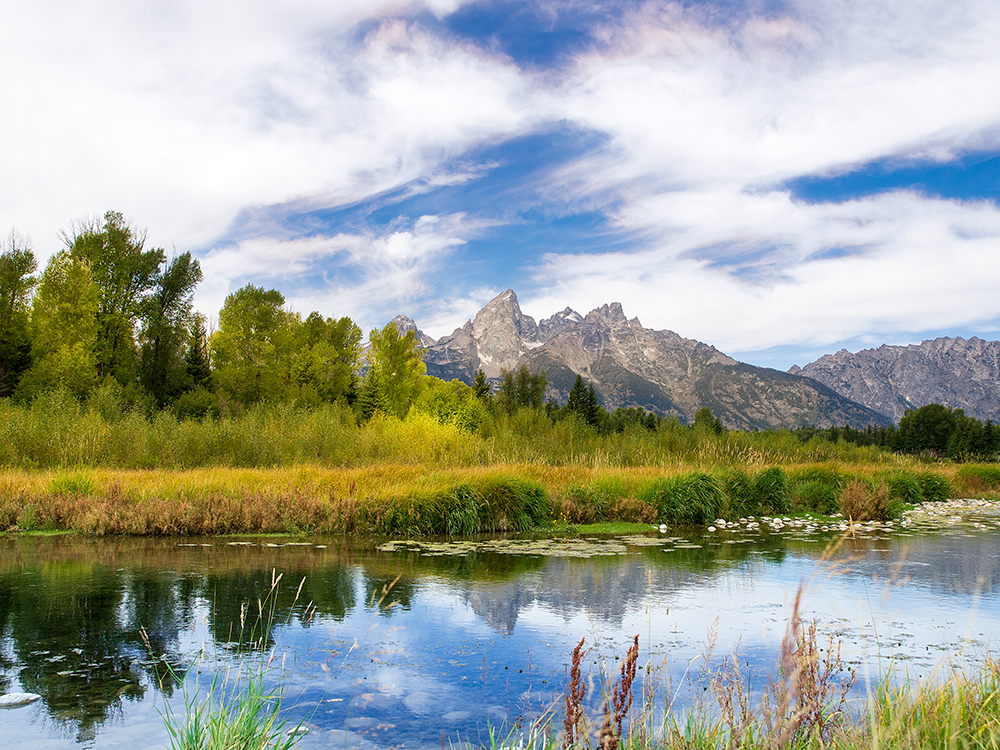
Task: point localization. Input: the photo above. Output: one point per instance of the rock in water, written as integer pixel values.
(15, 700)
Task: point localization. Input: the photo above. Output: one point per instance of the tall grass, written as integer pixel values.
(237, 711)
(381, 499)
(803, 704)
(414, 500)
(320, 471)
(57, 431)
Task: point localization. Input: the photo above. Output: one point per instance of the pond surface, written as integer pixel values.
(398, 644)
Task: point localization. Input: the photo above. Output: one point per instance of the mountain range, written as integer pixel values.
(633, 366)
(955, 372)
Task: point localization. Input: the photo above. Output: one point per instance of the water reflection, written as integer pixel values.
(382, 645)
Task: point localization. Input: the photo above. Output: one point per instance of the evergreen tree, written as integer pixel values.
(521, 390)
(704, 419)
(577, 396)
(592, 409)
(196, 358)
(481, 386)
(583, 401)
(372, 397)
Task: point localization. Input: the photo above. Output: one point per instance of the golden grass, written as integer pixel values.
(384, 497)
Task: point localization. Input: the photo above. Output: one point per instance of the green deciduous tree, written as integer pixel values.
(928, 428)
(63, 330)
(398, 361)
(167, 316)
(251, 348)
(325, 361)
(17, 266)
(125, 273)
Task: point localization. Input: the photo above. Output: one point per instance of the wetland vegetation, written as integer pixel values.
(121, 414)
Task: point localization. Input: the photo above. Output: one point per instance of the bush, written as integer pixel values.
(197, 404)
(860, 502)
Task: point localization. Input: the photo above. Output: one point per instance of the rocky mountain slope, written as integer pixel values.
(891, 379)
(630, 365)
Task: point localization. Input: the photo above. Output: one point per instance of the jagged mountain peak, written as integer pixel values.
(612, 313)
(949, 370)
(405, 323)
(629, 365)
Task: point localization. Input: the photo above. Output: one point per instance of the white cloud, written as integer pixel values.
(383, 270)
(912, 264)
(705, 121)
(190, 116)
(184, 115)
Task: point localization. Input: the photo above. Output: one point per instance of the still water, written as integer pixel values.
(468, 635)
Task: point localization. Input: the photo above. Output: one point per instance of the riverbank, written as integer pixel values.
(416, 500)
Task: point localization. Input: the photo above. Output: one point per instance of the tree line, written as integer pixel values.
(933, 430)
(108, 312)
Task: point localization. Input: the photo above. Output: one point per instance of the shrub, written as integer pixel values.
(860, 502)
(197, 404)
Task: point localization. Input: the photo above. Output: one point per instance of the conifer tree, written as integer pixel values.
(481, 386)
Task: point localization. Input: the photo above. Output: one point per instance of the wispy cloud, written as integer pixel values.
(359, 274)
(230, 128)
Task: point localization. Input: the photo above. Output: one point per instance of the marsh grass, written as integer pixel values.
(56, 431)
(979, 480)
(238, 710)
(417, 500)
(803, 704)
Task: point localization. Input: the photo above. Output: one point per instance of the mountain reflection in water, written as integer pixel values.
(459, 639)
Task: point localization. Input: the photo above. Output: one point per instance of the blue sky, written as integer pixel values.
(779, 179)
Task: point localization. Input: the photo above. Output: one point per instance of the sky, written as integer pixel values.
(778, 179)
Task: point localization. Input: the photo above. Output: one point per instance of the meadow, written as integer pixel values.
(281, 469)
